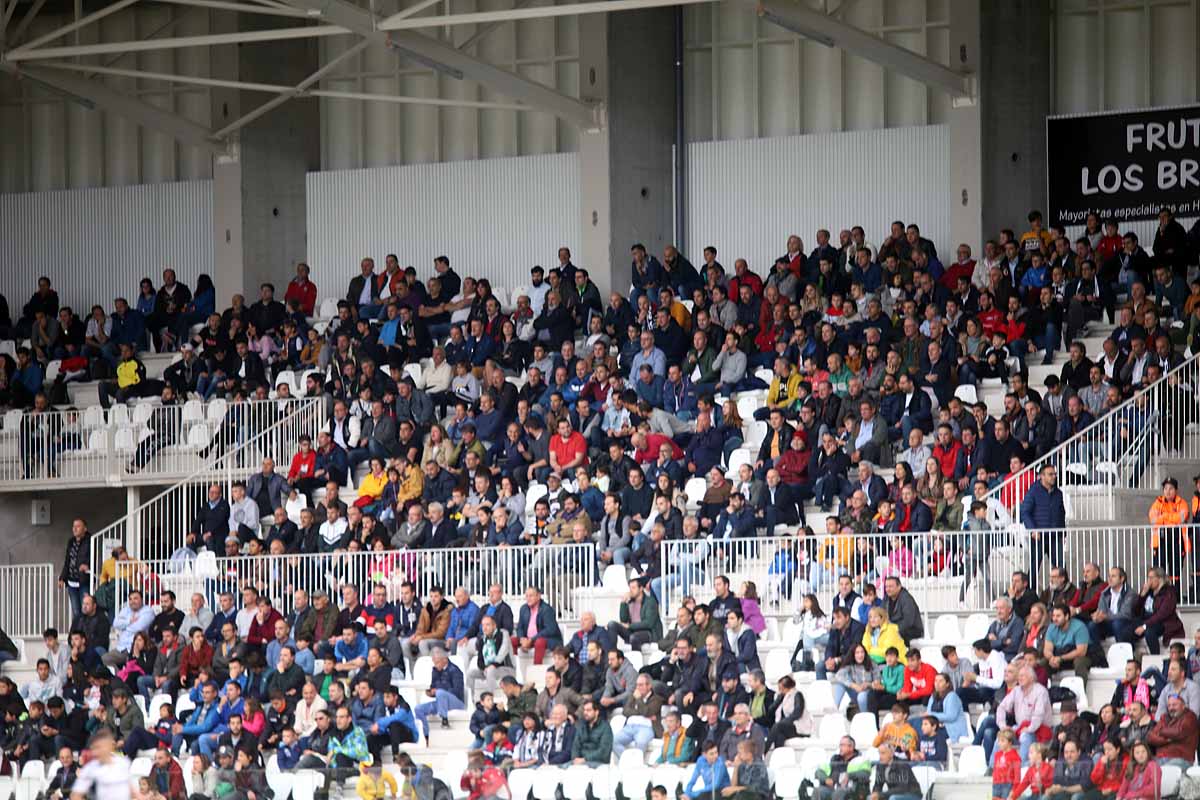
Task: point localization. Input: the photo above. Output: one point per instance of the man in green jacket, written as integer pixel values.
(593, 737)
(518, 700)
(640, 622)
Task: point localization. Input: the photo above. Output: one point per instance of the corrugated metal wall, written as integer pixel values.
(97, 244)
(746, 196)
(495, 217)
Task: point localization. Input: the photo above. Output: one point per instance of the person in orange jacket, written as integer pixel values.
(1167, 514)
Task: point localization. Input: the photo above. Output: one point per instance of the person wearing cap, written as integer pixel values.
(1071, 728)
(184, 375)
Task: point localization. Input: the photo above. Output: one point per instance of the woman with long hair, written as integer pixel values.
(1143, 776)
(903, 477)
(854, 679)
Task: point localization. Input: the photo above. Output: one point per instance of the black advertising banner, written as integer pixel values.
(1125, 165)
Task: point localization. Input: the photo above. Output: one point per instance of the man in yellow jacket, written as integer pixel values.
(783, 392)
(131, 379)
(1170, 541)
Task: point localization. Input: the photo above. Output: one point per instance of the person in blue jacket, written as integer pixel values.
(446, 692)
(709, 776)
(395, 727)
(202, 721)
(946, 708)
(1044, 514)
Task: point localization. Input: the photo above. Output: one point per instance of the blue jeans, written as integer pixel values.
(75, 595)
(985, 735)
(1048, 341)
(442, 705)
(841, 692)
(637, 736)
(208, 741)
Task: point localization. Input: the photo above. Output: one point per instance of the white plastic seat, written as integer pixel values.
(93, 417)
(141, 767)
(695, 489)
(329, 308)
(53, 369)
(972, 762)
(670, 776)
(215, 413)
(575, 781)
(193, 411)
(739, 457)
(1171, 776)
(818, 697)
(758, 432)
(831, 730)
(118, 415)
(199, 436)
(306, 783)
(287, 376)
(811, 758)
(966, 392)
(945, 630)
(925, 776)
(781, 757)
(787, 782)
(1076, 685)
(976, 627)
(863, 728)
(125, 442)
(615, 578)
(414, 371)
(633, 781)
(778, 664)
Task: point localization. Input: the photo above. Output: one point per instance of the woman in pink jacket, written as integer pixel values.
(1143, 778)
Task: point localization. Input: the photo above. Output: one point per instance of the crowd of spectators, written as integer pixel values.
(864, 345)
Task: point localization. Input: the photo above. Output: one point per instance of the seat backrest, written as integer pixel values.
(833, 728)
(976, 627)
(812, 758)
(818, 696)
(694, 489)
(1119, 653)
(972, 761)
(329, 308)
(863, 728)
(616, 579)
(216, 410)
(945, 629)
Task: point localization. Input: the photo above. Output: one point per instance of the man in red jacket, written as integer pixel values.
(302, 290)
(918, 680)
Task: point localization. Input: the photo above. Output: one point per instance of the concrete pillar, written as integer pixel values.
(259, 209)
(627, 62)
(1015, 73)
(966, 156)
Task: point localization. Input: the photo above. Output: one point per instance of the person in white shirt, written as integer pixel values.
(538, 290)
(981, 686)
(107, 774)
(243, 514)
(44, 686)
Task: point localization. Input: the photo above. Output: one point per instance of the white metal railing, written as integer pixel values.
(32, 600)
(559, 571)
(158, 528)
(976, 568)
(143, 443)
(1122, 449)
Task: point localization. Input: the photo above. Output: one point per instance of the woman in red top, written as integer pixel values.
(1109, 770)
(1035, 628)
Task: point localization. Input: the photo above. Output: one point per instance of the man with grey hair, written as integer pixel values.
(1006, 631)
(744, 728)
(446, 692)
(1028, 703)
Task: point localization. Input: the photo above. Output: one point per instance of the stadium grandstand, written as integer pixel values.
(631, 477)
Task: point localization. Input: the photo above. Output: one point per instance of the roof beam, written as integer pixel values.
(182, 130)
(74, 26)
(174, 43)
(403, 21)
(541, 97)
(799, 18)
(585, 116)
(26, 20)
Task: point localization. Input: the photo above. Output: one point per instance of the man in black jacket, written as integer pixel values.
(268, 313)
(555, 324)
(59, 729)
(210, 525)
(844, 633)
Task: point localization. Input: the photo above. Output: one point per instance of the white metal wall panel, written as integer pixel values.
(494, 217)
(746, 196)
(97, 244)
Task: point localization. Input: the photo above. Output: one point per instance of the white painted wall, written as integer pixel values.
(97, 244)
(496, 217)
(746, 197)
